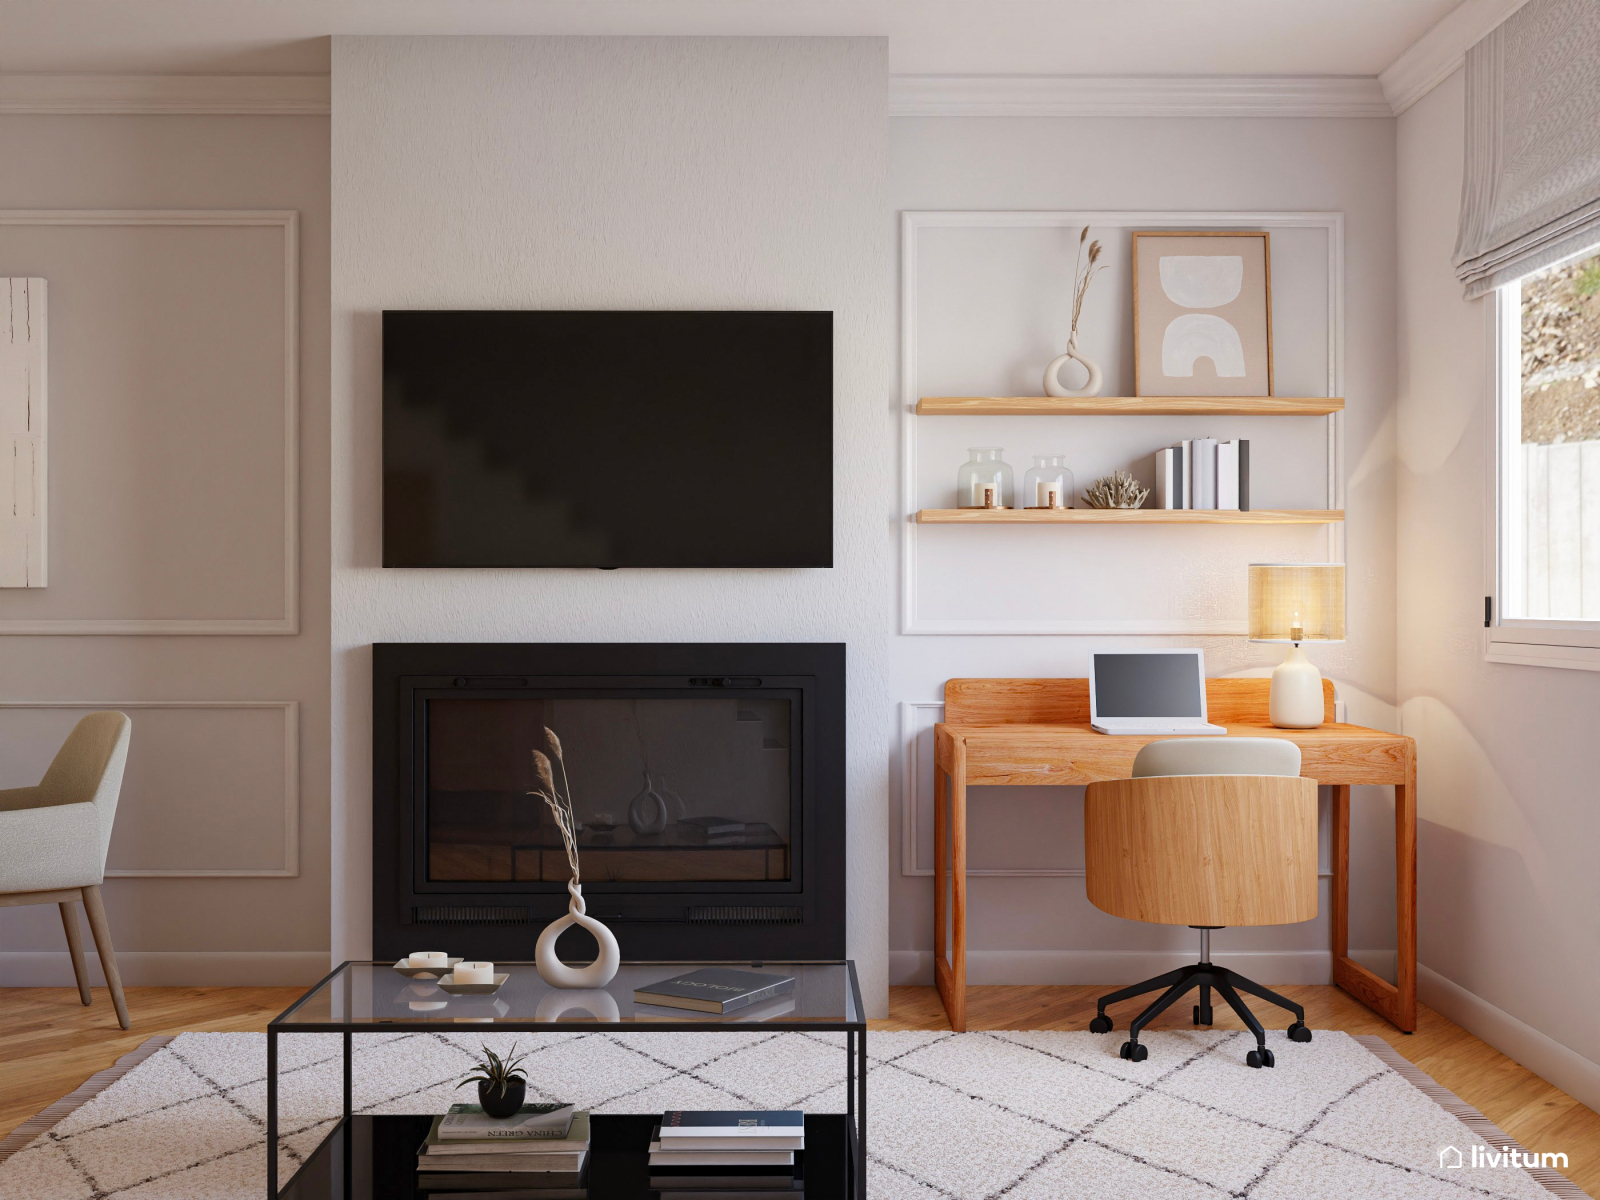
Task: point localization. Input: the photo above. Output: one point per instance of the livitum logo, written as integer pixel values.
(1506, 1156)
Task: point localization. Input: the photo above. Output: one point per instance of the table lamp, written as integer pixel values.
(1296, 602)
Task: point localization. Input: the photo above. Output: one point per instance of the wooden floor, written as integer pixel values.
(49, 1044)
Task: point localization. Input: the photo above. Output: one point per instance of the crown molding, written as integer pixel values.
(1136, 96)
(1433, 57)
(239, 95)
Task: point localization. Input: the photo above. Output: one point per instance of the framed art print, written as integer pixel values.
(1202, 313)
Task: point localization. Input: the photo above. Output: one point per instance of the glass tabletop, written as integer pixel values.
(363, 995)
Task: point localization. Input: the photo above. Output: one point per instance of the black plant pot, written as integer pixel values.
(502, 1104)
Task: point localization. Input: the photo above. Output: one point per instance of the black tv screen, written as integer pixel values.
(607, 439)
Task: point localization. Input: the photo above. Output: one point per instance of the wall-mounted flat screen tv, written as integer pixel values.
(607, 439)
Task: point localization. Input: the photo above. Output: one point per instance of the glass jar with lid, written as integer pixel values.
(1048, 483)
(985, 479)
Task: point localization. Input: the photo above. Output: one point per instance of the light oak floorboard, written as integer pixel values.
(50, 1043)
(1538, 1115)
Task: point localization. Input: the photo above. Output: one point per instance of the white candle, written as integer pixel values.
(428, 958)
(474, 972)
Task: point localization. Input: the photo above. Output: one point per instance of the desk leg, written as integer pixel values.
(950, 916)
(1395, 1001)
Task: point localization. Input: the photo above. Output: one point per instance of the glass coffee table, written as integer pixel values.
(371, 1157)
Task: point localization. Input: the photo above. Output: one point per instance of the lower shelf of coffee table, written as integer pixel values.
(375, 1158)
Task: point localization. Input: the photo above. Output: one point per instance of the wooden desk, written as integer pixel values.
(1036, 731)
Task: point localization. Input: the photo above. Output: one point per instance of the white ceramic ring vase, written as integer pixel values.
(1052, 374)
(555, 972)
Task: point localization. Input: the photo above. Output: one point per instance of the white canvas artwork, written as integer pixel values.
(24, 482)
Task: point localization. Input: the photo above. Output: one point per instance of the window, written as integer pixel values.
(1548, 585)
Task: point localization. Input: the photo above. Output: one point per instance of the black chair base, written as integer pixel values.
(1204, 976)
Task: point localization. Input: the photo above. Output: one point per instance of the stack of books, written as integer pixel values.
(727, 1155)
(1204, 473)
(541, 1153)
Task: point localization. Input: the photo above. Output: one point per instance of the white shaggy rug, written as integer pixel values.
(1030, 1115)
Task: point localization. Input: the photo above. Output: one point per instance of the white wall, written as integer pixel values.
(169, 502)
(1507, 756)
(1042, 929)
(615, 173)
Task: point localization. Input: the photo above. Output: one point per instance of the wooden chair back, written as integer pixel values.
(1219, 850)
(1066, 701)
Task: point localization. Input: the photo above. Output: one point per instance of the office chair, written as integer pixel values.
(1209, 832)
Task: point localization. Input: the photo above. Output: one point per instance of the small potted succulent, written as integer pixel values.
(502, 1084)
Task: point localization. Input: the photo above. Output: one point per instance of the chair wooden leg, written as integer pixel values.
(108, 956)
(69, 922)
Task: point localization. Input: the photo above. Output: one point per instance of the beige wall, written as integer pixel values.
(1507, 755)
(173, 502)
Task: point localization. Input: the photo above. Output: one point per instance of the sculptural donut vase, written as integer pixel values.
(1052, 379)
(557, 973)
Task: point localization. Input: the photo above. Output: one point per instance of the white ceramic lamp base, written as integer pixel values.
(1295, 701)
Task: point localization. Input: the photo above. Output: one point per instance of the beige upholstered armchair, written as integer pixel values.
(53, 838)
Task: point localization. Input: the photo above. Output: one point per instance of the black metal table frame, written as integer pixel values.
(855, 1055)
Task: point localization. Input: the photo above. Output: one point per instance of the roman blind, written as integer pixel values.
(1531, 192)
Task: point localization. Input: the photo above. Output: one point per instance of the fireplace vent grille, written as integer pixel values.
(461, 914)
(747, 914)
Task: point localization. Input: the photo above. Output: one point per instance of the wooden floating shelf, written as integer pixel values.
(1125, 406)
(1128, 516)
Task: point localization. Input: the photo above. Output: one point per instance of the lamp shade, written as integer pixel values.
(1297, 602)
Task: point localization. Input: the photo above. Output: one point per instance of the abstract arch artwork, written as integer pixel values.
(1201, 335)
(1202, 314)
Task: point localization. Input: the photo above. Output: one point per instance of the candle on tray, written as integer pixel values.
(474, 972)
(428, 958)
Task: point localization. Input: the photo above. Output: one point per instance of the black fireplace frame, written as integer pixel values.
(799, 920)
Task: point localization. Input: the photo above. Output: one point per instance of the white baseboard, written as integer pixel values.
(1568, 1070)
(1105, 966)
(157, 968)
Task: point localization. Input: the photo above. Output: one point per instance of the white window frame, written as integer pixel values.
(1573, 645)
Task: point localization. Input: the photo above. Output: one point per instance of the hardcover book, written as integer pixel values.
(470, 1122)
(715, 990)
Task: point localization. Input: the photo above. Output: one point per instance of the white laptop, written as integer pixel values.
(1153, 691)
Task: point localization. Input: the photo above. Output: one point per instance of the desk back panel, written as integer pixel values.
(1066, 701)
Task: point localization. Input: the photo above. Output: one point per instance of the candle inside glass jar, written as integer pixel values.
(474, 972)
(428, 958)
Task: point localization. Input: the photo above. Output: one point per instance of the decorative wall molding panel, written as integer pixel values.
(286, 221)
(1433, 57)
(227, 776)
(24, 477)
(1136, 96)
(256, 95)
(984, 299)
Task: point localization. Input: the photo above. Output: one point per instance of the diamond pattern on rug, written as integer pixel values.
(1024, 1115)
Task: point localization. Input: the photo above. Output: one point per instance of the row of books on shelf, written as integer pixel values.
(1204, 473)
(542, 1153)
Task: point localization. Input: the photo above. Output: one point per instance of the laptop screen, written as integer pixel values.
(1148, 685)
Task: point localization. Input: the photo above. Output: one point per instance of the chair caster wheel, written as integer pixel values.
(1134, 1052)
(1101, 1024)
(1260, 1058)
(1299, 1033)
(1202, 1014)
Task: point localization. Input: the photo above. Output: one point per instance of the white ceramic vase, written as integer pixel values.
(1052, 374)
(555, 972)
(648, 811)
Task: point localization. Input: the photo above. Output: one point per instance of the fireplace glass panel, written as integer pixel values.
(664, 790)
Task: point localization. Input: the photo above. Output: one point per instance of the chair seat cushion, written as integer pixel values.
(51, 847)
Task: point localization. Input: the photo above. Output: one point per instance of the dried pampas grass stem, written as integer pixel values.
(546, 763)
(1117, 490)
